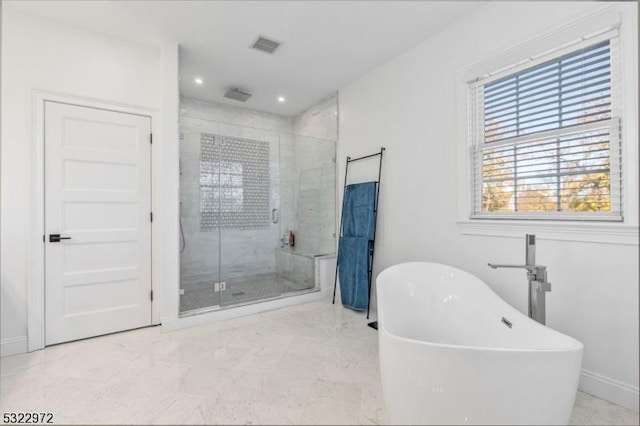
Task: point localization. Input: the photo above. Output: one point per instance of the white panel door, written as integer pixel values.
(98, 199)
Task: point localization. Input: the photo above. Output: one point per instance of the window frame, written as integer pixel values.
(478, 143)
(624, 232)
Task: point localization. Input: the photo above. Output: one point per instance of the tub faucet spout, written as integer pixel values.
(534, 272)
(537, 277)
(496, 266)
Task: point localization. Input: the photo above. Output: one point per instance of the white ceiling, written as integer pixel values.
(326, 44)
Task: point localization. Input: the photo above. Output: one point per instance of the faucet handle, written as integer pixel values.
(543, 285)
(538, 274)
(540, 282)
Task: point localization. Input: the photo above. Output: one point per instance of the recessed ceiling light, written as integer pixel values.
(198, 80)
(281, 99)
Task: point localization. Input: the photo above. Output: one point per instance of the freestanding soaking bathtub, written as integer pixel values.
(453, 352)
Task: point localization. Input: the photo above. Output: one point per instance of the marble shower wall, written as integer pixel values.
(302, 185)
(314, 195)
(320, 121)
(234, 115)
(316, 135)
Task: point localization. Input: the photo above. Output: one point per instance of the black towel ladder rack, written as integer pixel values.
(372, 243)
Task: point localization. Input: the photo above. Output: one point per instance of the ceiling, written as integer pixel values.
(325, 44)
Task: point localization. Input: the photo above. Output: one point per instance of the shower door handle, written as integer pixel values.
(274, 215)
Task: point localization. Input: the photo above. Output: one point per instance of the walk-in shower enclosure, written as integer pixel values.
(242, 188)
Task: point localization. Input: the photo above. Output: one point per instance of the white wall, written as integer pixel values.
(409, 106)
(40, 54)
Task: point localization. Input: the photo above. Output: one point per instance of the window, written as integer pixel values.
(545, 137)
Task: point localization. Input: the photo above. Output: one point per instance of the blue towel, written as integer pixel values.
(353, 267)
(358, 210)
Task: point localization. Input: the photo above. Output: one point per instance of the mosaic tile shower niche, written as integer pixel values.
(234, 183)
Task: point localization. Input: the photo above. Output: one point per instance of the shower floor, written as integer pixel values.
(240, 291)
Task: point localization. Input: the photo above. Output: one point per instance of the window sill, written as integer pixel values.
(606, 233)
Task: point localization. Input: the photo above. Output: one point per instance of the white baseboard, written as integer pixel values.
(13, 346)
(609, 389)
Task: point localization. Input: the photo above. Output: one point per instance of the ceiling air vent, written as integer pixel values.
(237, 95)
(266, 45)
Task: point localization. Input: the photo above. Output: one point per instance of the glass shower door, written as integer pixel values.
(241, 189)
(250, 215)
(199, 211)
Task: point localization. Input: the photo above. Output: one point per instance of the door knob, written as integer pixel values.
(55, 238)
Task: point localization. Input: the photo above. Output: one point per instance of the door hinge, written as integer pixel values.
(151, 138)
(43, 239)
(151, 217)
(152, 295)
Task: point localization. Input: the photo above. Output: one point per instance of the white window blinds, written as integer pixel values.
(545, 138)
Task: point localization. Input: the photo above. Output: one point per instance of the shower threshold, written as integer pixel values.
(203, 299)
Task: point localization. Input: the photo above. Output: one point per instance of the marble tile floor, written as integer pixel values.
(307, 364)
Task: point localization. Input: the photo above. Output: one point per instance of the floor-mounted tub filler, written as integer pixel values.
(453, 352)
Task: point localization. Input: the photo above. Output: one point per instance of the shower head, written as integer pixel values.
(237, 95)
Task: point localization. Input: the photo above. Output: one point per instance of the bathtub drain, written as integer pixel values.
(506, 322)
